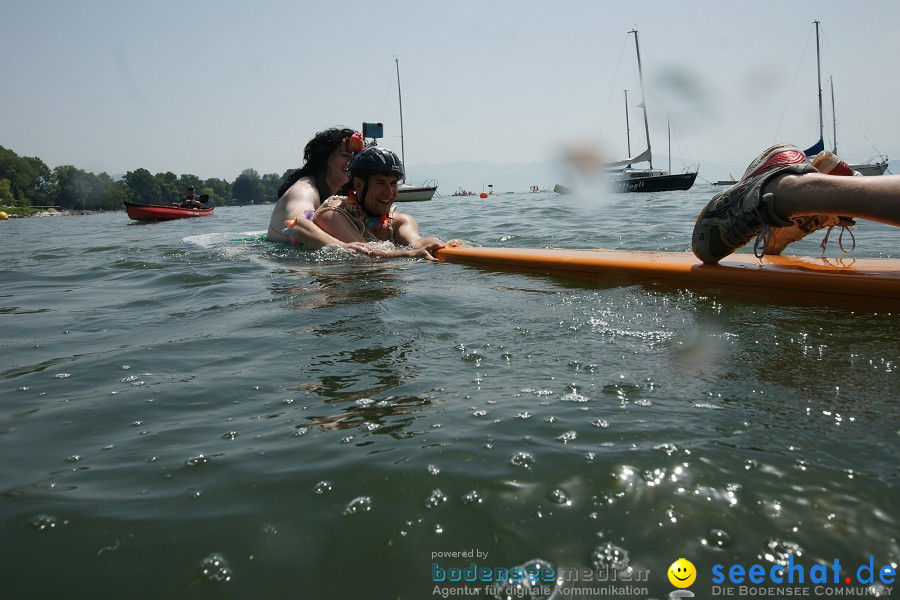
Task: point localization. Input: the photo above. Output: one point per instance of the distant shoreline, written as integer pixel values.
(50, 212)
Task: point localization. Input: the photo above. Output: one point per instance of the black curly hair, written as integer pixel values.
(315, 158)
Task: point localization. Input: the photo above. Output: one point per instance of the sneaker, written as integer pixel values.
(773, 241)
(733, 217)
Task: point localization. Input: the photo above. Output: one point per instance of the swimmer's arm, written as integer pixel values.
(299, 213)
(407, 233)
(308, 233)
(339, 226)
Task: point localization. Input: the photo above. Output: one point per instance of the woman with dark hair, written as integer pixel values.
(324, 172)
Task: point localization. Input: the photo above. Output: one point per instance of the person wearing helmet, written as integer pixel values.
(325, 170)
(365, 212)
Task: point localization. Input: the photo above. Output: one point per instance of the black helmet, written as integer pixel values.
(374, 160)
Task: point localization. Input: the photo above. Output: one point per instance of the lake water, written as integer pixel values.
(186, 416)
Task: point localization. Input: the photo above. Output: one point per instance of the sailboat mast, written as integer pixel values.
(627, 124)
(833, 115)
(819, 79)
(643, 100)
(400, 99)
(669, 129)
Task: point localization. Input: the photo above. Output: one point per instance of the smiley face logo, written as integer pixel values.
(682, 573)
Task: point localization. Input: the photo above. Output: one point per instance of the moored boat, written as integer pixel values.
(408, 192)
(164, 212)
(875, 166)
(630, 179)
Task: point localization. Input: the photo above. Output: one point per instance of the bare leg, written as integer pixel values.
(872, 198)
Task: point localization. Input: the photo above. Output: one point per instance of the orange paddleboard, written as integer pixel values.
(864, 282)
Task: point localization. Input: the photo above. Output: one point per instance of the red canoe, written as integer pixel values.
(163, 212)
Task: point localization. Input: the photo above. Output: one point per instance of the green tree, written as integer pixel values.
(219, 190)
(29, 178)
(142, 186)
(6, 196)
(270, 183)
(169, 190)
(247, 188)
(73, 187)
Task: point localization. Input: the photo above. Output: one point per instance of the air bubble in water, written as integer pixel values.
(43, 522)
(436, 498)
(560, 497)
(471, 497)
(619, 381)
(610, 557)
(522, 459)
(215, 568)
(359, 505)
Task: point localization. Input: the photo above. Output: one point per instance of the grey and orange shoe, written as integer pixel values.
(733, 217)
(772, 240)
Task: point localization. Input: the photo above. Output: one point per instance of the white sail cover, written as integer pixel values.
(642, 157)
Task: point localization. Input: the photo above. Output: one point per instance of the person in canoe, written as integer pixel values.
(191, 199)
(784, 196)
(325, 170)
(364, 212)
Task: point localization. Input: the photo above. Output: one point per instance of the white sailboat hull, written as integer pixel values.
(871, 169)
(415, 193)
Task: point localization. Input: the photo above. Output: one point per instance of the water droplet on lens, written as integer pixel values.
(322, 487)
(215, 568)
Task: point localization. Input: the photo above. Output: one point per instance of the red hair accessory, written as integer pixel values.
(356, 143)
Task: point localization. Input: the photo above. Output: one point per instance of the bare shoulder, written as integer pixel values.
(400, 218)
(300, 200)
(303, 195)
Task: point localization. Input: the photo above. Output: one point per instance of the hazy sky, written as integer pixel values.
(215, 87)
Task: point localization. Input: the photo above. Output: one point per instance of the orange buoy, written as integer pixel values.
(484, 194)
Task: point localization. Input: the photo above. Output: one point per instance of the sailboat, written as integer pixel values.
(875, 166)
(408, 192)
(629, 179)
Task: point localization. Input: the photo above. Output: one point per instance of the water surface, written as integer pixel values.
(187, 416)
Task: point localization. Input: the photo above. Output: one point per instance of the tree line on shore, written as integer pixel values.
(26, 181)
